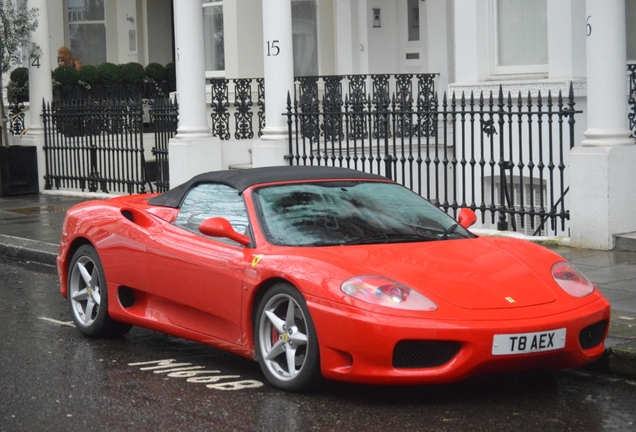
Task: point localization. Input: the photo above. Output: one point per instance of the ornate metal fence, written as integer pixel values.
(357, 93)
(243, 90)
(502, 156)
(632, 98)
(94, 145)
(16, 119)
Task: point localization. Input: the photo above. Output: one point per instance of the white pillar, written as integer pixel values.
(190, 65)
(193, 150)
(278, 63)
(40, 86)
(602, 168)
(606, 74)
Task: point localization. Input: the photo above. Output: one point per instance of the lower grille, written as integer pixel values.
(592, 335)
(410, 354)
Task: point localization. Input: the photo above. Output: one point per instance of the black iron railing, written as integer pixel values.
(244, 91)
(164, 118)
(332, 93)
(501, 156)
(631, 68)
(94, 145)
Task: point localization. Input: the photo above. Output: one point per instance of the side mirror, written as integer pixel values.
(466, 217)
(221, 227)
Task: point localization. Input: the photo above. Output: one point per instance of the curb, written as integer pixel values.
(620, 345)
(28, 250)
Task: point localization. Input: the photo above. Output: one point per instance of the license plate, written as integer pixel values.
(521, 343)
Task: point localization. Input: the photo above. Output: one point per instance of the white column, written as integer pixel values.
(190, 65)
(40, 86)
(278, 63)
(602, 168)
(193, 150)
(606, 74)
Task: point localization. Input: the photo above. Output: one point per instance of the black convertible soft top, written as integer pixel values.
(242, 179)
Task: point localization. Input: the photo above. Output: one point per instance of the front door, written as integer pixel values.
(412, 36)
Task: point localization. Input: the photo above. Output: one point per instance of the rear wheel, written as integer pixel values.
(88, 297)
(286, 342)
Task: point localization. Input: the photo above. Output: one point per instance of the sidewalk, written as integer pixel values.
(30, 228)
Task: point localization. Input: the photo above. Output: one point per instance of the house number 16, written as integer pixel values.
(272, 48)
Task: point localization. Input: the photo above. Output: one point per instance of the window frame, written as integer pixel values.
(213, 206)
(496, 69)
(67, 30)
(211, 4)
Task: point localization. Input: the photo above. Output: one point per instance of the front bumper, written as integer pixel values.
(358, 346)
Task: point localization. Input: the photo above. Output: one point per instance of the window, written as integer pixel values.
(521, 41)
(305, 37)
(212, 200)
(413, 16)
(347, 213)
(87, 30)
(213, 38)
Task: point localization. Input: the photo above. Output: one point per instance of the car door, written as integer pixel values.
(198, 279)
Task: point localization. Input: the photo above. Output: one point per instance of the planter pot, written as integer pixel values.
(18, 171)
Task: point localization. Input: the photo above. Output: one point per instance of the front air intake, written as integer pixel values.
(592, 335)
(413, 354)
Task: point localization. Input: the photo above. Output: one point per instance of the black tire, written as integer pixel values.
(87, 296)
(275, 338)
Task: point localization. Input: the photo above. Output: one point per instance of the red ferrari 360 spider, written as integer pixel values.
(326, 272)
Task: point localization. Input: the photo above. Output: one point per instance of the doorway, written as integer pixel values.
(412, 36)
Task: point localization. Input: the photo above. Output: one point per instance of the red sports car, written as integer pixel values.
(326, 272)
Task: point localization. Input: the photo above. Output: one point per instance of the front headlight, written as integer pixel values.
(571, 280)
(384, 292)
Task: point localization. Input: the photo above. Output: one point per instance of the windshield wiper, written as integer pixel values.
(450, 230)
(387, 238)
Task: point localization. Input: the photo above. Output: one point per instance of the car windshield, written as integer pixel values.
(350, 213)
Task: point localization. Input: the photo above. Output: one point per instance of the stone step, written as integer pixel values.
(625, 242)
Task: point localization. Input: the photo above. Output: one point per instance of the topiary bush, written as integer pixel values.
(18, 87)
(20, 76)
(65, 75)
(89, 76)
(132, 73)
(109, 73)
(156, 72)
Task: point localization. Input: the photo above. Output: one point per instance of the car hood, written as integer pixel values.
(478, 273)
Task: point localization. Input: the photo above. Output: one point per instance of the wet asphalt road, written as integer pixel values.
(52, 378)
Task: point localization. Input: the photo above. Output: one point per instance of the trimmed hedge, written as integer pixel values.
(65, 75)
(109, 73)
(132, 73)
(159, 76)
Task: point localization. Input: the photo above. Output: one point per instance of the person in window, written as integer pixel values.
(66, 58)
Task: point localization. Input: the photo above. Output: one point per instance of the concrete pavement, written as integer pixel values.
(30, 229)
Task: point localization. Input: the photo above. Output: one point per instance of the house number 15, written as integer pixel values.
(272, 48)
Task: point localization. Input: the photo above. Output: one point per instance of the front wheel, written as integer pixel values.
(286, 342)
(88, 296)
